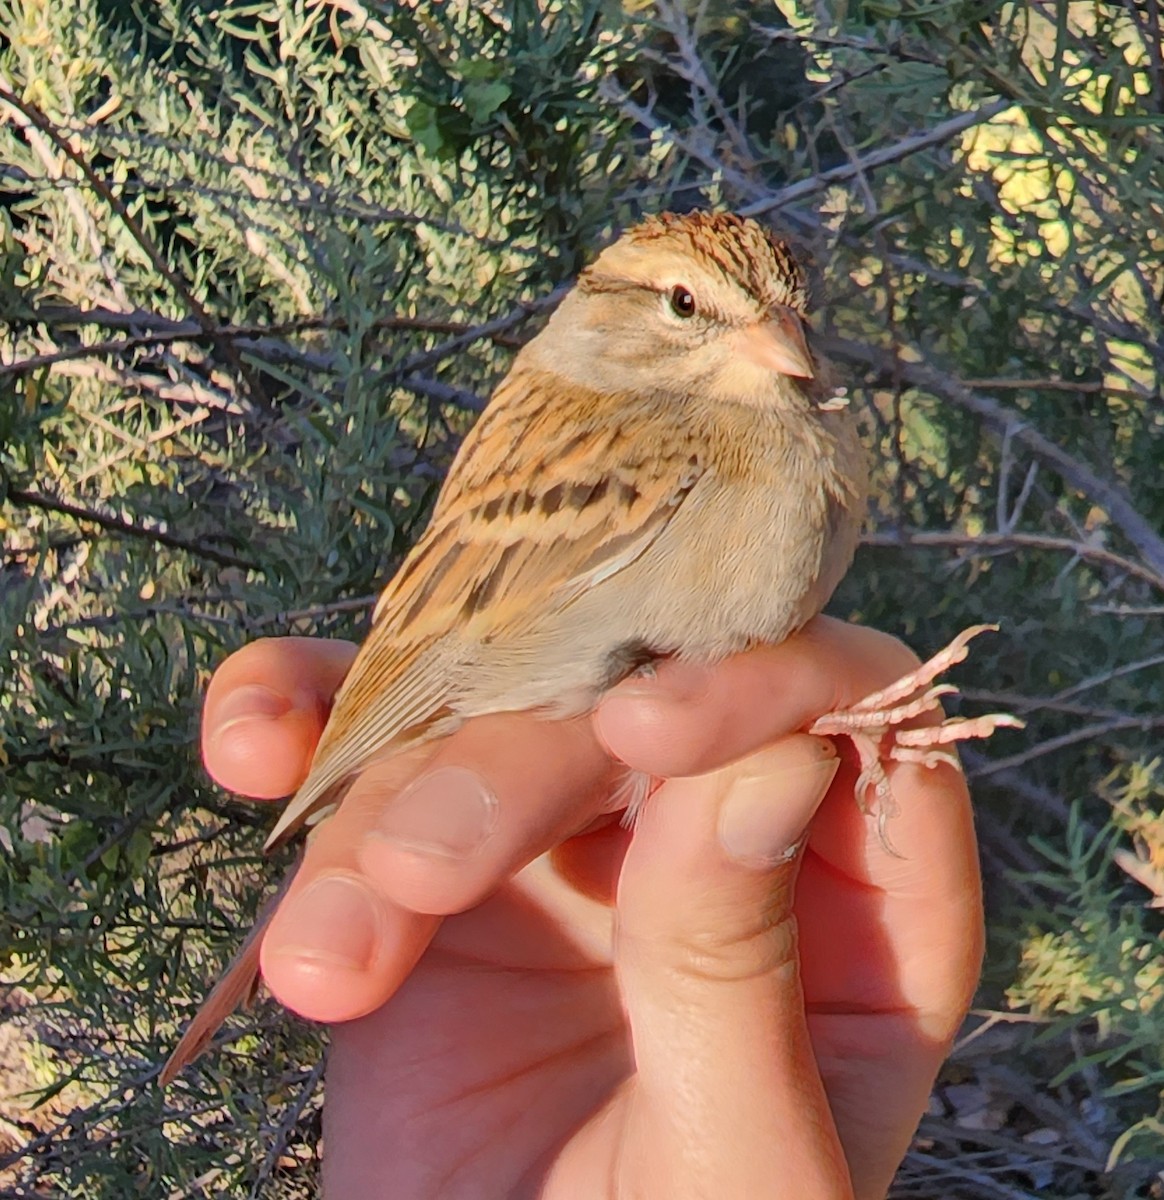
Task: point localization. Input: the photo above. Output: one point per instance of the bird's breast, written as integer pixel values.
(754, 551)
(752, 559)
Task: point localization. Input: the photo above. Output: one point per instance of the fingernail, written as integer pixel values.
(336, 919)
(763, 817)
(250, 703)
(449, 812)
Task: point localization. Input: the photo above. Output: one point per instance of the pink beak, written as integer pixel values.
(779, 345)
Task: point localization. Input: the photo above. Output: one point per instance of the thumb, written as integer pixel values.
(728, 1096)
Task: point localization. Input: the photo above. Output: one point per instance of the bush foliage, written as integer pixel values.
(262, 263)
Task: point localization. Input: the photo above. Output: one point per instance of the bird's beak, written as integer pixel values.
(778, 344)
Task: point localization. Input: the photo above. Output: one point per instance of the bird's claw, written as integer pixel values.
(873, 726)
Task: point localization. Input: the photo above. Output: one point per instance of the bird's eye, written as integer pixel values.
(682, 301)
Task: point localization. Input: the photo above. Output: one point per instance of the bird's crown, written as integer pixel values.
(736, 249)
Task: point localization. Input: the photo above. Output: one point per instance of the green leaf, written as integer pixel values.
(483, 99)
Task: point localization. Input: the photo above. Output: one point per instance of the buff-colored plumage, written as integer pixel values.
(583, 529)
(645, 482)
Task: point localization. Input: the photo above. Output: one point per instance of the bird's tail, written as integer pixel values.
(236, 987)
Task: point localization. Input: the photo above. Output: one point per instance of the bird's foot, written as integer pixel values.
(874, 727)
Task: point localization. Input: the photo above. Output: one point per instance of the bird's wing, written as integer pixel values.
(543, 502)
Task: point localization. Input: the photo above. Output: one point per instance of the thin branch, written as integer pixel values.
(315, 611)
(86, 223)
(688, 64)
(705, 152)
(1086, 387)
(425, 359)
(28, 499)
(1082, 734)
(444, 393)
(1012, 541)
(1128, 610)
(165, 389)
(1102, 677)
(162, 331)
(311, 198)
(140, 319)
(287, 1124)
(940, 133)
(1108, 494)
(1025, 705)
(32, 114)
(291, 616)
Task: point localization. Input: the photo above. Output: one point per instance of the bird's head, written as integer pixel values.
(709, 304)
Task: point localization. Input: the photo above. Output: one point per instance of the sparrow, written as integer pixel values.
(655, 476)
(666, 471)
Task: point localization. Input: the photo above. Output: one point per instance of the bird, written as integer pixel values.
(667, 471)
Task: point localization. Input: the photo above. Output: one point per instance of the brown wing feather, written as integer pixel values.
(237, 986)
(542, 502)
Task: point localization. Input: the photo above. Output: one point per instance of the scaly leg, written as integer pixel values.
(873, 722)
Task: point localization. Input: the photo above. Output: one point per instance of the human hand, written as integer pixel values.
(745, 1033)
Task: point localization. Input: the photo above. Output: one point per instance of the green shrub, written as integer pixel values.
(262, 263)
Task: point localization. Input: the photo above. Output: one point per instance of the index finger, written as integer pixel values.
(910, 921)
(689, 719)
